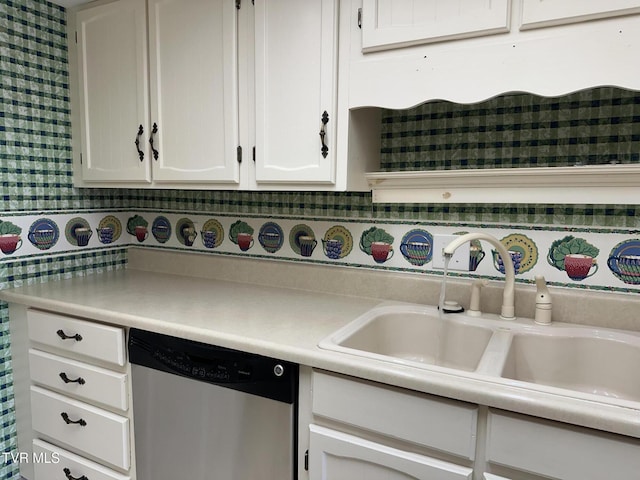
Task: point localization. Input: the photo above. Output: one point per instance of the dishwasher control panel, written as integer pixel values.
(247, 372)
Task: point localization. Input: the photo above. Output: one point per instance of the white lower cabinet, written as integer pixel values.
(340, 456)
(54, 463)
(367, 431)
(560, 451)
(362, 430)
(80, 416)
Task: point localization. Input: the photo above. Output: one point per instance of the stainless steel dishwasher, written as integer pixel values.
(210, 413)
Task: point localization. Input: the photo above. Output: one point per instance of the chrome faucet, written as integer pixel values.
(507, 311)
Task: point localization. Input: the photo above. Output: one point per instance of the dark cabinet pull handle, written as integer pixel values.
(65, 379)
(325, 120)
(68, 421)
(137, 142)
(67, 473)
(153, 132)
(77, 337)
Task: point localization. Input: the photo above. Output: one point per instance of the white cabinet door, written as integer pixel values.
(295, 83)
(539, 13)
(338, 456)
(112, 62)
(399, 23)
(193, 68)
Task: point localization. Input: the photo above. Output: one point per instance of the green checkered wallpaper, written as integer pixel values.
(35, 135)
(35, 164)
(598, 126)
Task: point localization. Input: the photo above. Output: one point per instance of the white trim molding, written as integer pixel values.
(602, 184)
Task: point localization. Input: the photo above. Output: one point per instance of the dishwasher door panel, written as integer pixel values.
(190, 429)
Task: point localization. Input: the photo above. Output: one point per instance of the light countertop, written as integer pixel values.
(272, 318)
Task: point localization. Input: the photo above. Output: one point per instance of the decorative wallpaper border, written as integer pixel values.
(585, 258)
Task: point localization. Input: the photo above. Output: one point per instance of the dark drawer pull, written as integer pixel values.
(67, 473)
(137, 142)
(151, 142)
(323, 132)
(68, 421)
(65, 379)
(77, 337)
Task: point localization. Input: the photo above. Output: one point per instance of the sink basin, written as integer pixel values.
(413, 335)
(590, 361)
(586, 360)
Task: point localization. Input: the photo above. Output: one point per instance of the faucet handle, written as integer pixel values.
(543, 302)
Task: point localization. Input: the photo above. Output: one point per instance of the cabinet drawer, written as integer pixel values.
(539, 446)
(339, 455)
(105, 435)
(84, 381)
(50, 463)
(92, 340)
(442, 424)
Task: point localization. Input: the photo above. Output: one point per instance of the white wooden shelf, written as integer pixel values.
(602, 184)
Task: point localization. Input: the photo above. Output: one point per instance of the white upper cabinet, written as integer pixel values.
(544, 13)
(183, 97)
(193, 56)
(397, 23)
(112, 63)
(233, 94)
(411, 51)
(296, 57)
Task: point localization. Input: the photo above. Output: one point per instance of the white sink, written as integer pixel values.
(580, 359)
(413, 335)
(584, 360)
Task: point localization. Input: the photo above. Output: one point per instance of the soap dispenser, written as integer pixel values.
(543, 302)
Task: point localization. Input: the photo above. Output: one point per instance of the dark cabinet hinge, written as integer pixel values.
(80, 158)
(306, 460)
(359, 18)
(238, 4)
(239, 154)
(76, 37)
(254, 154)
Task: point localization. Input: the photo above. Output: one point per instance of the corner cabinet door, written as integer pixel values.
(295, 83)
(193, 69)
(112, 64)
(399, 23)
(539, 13)
(338, 456)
